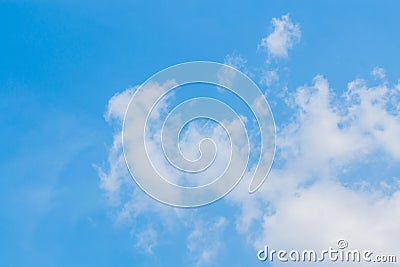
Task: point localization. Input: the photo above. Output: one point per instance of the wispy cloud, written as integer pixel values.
(146, 240)
(378, 72)
(204, 240)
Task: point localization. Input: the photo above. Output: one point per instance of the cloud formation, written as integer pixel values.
(284, 36)
(313, 196)
(309, 202)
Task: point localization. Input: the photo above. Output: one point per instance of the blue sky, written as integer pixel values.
(60, 64)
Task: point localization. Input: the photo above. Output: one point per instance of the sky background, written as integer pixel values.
(65, 198)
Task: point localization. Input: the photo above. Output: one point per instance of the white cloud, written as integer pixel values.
(132, 205)
(146, 240)
(305, 204)
(117, 173)
(316, 217)
(129, 201)
(118, 103)
(204, 240)
(269, 77)
(331, 132)
(284, 36)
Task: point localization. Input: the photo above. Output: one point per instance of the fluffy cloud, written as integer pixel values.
(128, 200)
(283, 37)
(315, 217)
(306, 203)
(132, 206)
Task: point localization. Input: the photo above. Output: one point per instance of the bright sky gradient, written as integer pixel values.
(330, 71)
